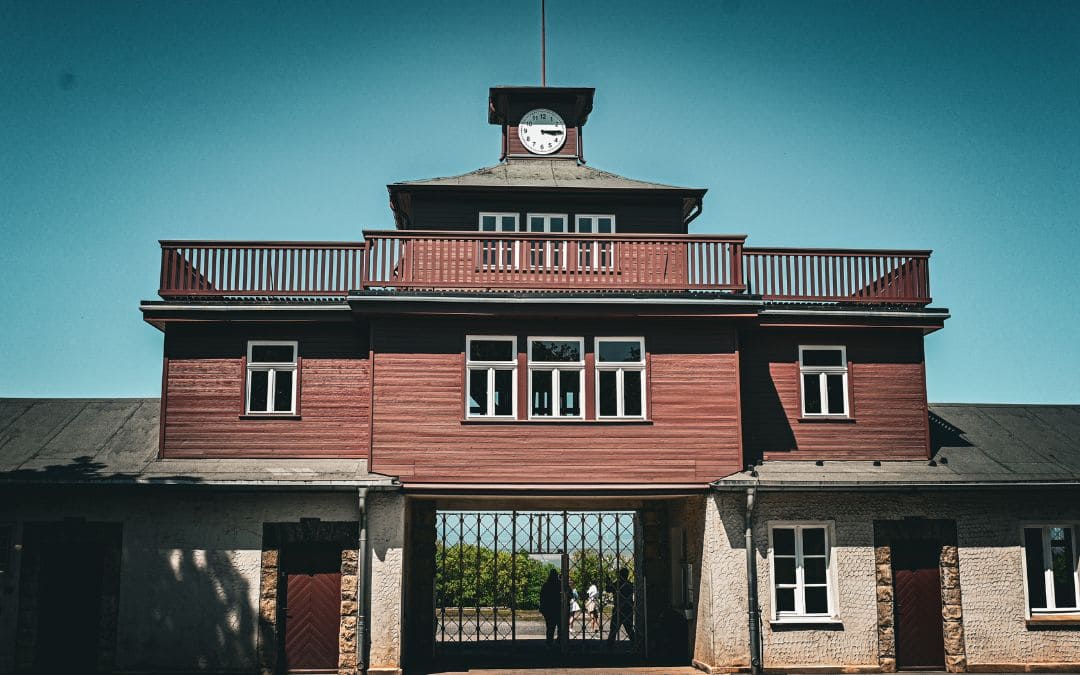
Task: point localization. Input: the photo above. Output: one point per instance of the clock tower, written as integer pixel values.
(540, 122)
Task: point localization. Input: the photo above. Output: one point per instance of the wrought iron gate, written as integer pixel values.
(490, 566)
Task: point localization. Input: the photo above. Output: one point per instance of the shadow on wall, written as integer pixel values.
(194, 611)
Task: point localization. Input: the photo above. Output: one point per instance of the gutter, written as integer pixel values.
(364, 591)
(740, 485)
(753, 610)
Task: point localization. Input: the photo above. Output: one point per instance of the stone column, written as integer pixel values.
(386, 544)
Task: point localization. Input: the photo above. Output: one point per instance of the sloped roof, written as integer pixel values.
(542, 173)
(115, 441)
(972, 444)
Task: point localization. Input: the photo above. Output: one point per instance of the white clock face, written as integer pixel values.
(542, 131)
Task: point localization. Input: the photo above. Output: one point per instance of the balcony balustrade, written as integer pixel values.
(489, 261)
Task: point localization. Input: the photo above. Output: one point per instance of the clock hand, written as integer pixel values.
(550, 132)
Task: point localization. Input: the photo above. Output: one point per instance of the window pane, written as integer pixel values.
(1033, 555)
(813, 541)
(569, 392)
(557, 225)
(632, 393)
(1063, 565)
(605, 225)
(622, 350)
(834, 388)
(260, 383)
(509, 224)
(822, 357)
(817, 600)
(536, 224)
(487, 224)
(283, 381)
(541, 392)
(491, 350)
(814, 570)
(783, 541)
(785, 570)
(478, 392)
(785, 599)
(811, 386)
(504, 392)
(560, 351)
(608, 393)
(584, 225)
(271, 353)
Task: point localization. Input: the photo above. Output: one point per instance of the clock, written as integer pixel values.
(542, 131)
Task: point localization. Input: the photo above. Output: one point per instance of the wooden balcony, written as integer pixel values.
(480, 261)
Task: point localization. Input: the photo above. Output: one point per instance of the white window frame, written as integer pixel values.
(556, 367)
(1053, 606)
(273, 367)
(799, 615)
(554, 252)
(590, 253)
(491, 367)
(506, 251)
(620, 368)
(822, 372)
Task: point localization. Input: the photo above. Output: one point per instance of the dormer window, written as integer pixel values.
(824, 379)
(271, 377)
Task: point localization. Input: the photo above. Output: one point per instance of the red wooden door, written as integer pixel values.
(312, 609)
(917, 582)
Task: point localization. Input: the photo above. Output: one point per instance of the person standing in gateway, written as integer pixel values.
(551, 605)
(623, 616)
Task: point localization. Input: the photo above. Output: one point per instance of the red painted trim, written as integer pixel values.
(523, 378)
(164, 405)
(371, 396)
(738, 395)
(243, 380)
(299, 378)
(590, 382)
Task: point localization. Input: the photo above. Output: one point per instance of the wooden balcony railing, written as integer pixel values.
(499, 261)
(250, 268)
(533, 261)
(837, 275)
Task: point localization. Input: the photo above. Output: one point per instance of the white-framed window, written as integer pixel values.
(556, 376)
(1050, 561)
(490, 376)
(271, 377)
(544, 253)
(595, 254)
(800, 568)
(823, 370)
(620, 377)
(497, 253)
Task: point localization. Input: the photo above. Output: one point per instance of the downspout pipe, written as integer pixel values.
(363, 593)
(753, 613)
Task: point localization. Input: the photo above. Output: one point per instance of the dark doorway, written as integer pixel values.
(69, 615)
(920, 643)
(312, 607)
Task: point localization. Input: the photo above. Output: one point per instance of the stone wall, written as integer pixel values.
(988, 626)
(190, 567)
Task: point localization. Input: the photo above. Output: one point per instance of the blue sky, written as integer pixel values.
(951, 126)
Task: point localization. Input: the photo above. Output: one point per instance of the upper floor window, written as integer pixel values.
(271, 377)
(491, 377)
(556, 374)
(1050, 559)
(802, 582)
(620, 377)
(547, 222)
(824, 373)
(498, 222)
(590, 223)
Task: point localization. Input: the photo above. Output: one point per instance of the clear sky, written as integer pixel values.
(943, 125)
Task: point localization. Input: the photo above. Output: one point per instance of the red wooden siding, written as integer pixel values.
(204, 383)
(419, 434)
(569, 148)
(886, 387)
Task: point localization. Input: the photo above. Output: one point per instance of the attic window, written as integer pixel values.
(271, 377)
(824, 380)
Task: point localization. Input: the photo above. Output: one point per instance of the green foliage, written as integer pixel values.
(587, 567)
(475, 576)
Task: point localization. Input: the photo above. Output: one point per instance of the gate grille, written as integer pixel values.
(490, 566)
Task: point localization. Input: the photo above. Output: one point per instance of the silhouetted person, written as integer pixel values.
(551, 604)
(623, 616)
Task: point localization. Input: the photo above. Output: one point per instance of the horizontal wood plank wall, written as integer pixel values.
(887, 396)
(633, 215)
(204, 385)
(419, 434)
(569, 148)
